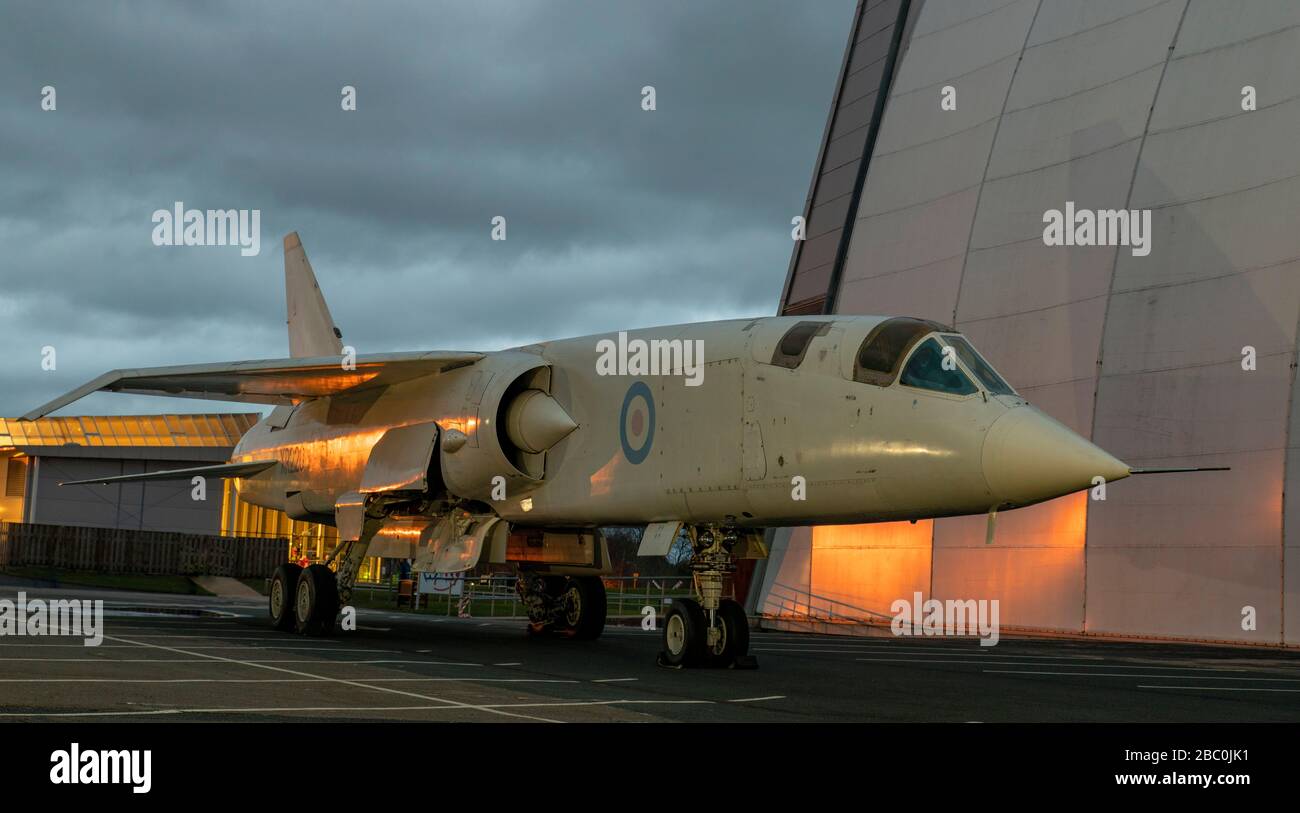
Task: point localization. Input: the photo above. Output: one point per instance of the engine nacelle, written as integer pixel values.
(510, 421)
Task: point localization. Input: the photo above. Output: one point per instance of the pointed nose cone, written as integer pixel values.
(535, 421)
(1029, 457)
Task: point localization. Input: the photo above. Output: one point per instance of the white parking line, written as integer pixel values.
(244, 661)
(495, 708)
(973, 652)
(623, 702)
(290, 647)
(247, 637)
(983, 662)
(345, 682)
(1219, 688)
(287, 680)
(251, 710)
(114, 660)
(1130, 675)
(757, 699)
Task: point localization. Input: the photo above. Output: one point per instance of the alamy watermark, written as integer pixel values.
(75, 766)
(56, 617)
(951, 617)
(1100, 227)
(179, 226)
(684, 357)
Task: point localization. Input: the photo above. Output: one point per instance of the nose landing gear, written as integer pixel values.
(708, 630)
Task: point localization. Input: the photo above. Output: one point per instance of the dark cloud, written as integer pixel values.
(617, 217)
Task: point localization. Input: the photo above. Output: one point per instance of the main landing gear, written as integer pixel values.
(710, 631)
(572, 606)
(307, 600)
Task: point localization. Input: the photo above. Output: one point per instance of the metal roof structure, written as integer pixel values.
(205, 430)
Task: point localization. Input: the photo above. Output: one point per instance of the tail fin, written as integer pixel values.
(311, 328)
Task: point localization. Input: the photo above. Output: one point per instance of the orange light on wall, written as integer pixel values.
(1034, 566)
(859, 570)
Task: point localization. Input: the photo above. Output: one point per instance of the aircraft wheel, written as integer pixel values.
(283, 585)
(733, 637)
(684, 631)
(585, 607)
(316, 601)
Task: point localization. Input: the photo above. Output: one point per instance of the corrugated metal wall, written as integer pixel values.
(854, 119)
(1133, 104)
(166, 505)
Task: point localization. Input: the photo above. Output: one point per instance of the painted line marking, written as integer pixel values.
(496, 708)
(287, 680)
(757, 699)
(345, 682)
(1219, 688)
(272, 637)
(984, 652)
(291, 647)
(237, 710)
(982, 662)
(614, 680)
(1130, 675)
(244, 661)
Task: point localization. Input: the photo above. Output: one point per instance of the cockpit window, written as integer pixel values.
(794, 344)
(925, 369)
(976, 364)
(886, 344)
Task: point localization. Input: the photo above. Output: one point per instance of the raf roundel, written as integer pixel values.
(636, 423)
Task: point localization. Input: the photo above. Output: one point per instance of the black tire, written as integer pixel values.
(283, 585)
(316, 601)
(585, 607)
(684, 626)
(734, 640)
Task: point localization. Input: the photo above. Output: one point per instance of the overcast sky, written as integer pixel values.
(616, 217)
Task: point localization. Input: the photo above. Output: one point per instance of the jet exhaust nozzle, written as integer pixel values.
(535, 422)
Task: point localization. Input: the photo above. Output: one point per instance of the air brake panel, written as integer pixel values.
(400, 460)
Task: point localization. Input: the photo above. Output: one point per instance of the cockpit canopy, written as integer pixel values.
(886, 345)
(939, 359)
(915, 352)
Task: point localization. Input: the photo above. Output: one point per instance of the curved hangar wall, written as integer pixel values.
(1111, 105)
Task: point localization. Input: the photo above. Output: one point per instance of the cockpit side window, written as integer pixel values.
(925, 369)
(794, 344)
(886, 345)
(977, 365)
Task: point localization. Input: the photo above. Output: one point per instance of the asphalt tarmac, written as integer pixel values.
(188, 658)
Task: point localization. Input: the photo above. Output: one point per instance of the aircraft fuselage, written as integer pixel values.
(744, 440)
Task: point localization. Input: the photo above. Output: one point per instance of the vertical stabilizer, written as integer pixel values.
(311, 328)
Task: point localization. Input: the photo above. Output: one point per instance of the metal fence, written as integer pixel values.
(120, 550)
(495, 597)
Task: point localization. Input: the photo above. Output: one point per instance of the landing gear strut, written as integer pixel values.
(708, 630)
(572, 606)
